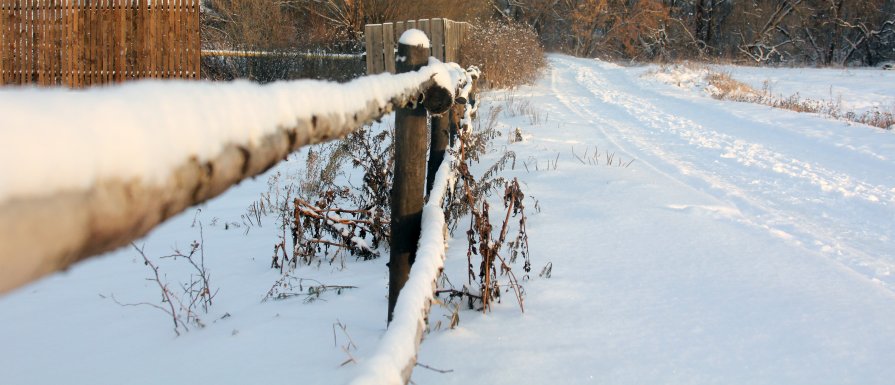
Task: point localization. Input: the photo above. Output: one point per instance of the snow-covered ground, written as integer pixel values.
(743, 245)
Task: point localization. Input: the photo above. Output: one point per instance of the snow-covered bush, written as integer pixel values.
(509, 54)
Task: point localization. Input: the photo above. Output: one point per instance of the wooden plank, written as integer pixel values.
(19, 36)
(188, 40)
(56, 39)
(158, 38)
(455, 35)
(153, 40)
(38, 25)
(18, 54)
(23, 43)
(179, 42)
(171, 40)
(424, 26)
(46, 42)
(368, 38)
(65, 43)
(448, 41)
(27, 43)
(183, 40)
(103, 38)
(388, 47)
(400, 27)
(196, 35)
(31, 39)
(94, 43)
(3, 45)
(76, 40)
(120, 47)
(437, 38)
(35, 13)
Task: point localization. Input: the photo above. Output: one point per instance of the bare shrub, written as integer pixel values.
(724, 87)
(181, 302)
(508, 53)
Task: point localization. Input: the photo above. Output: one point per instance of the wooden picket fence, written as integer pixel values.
(445, 38)
(78, 43)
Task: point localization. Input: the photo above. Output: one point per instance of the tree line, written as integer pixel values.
(795, 32)
(783, 32)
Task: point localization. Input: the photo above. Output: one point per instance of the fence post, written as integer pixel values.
(410, 179)
(438, 144)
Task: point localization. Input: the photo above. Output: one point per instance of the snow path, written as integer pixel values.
(811, 197)
(745, 245)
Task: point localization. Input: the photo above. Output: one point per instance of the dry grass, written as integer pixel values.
(724, 87)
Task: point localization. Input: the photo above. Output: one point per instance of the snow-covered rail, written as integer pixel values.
(84, 172)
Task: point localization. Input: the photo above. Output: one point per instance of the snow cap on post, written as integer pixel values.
(415, 38)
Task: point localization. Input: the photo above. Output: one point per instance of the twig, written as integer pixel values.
(442, 371)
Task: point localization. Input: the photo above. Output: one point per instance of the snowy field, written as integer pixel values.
(743, 245)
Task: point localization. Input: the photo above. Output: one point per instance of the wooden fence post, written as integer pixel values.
(440, 136)
(410, 179)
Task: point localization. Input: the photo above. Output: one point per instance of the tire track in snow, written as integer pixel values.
(795, 199)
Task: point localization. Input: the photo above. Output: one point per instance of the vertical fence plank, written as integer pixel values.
(64, 45)
(437, 38)
(448, 41)
(25, 38)
(368, 33)
(424, 26)
(196, 41)
(19, 37)
(58, 48)
(140, 26)
(104, 38)
(76, 41)
(3, 42)
(376, 55)
(456, 37)
(178, 42)
(400, 27)
(153, 40)
(20, 41)
(35, 12)
(120, 46)
(171, 52)
(94, 42)
(388, 47)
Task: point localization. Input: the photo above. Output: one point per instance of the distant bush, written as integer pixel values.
(509, 54)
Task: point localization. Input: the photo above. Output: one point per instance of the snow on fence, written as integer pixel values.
(80, 43)
(83, 172)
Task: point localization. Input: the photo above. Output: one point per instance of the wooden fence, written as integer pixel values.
(444, 35)
(78, 43)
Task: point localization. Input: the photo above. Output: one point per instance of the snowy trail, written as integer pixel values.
(744, 246)
(811, 197)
